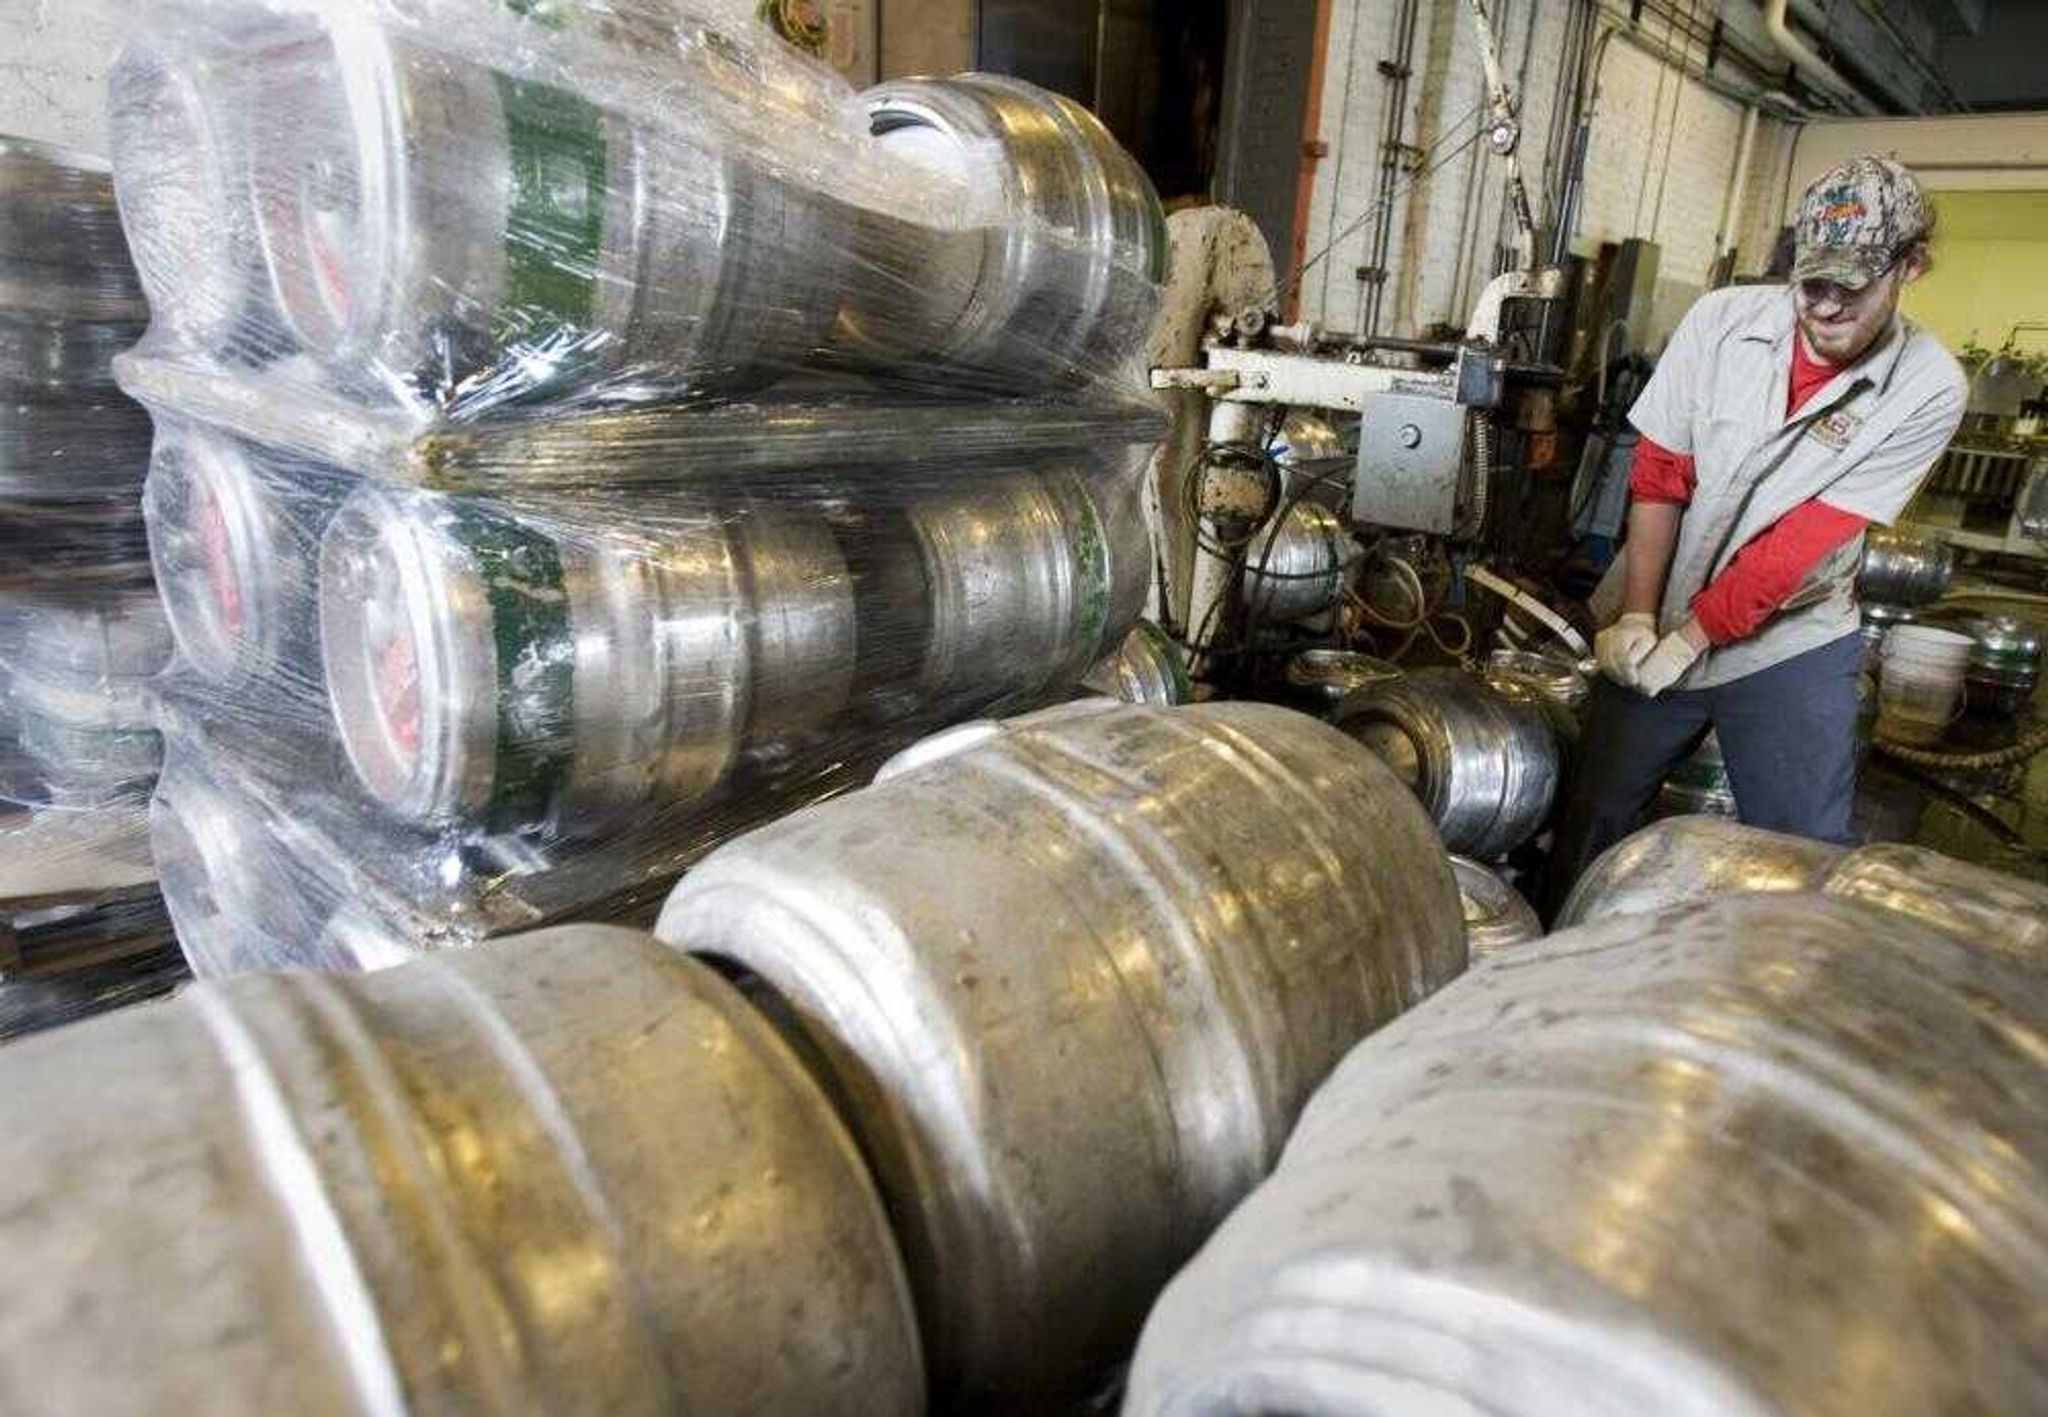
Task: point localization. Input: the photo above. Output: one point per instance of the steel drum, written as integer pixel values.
(1060, 282)
(234, 536)
(1485, 765)
(572, 1173)
(1903, 570)
(1689, 859)
(1069, 978)
(1759, 1155)
(1295, 567)
(1496, 915)
(503, 669)
(425, 218)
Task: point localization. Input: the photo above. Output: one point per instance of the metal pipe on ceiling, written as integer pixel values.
(1814, 69)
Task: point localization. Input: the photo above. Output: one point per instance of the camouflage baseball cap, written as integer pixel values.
(1854, 220)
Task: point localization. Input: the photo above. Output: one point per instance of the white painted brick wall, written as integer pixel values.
(1651, 127)
(54, 56)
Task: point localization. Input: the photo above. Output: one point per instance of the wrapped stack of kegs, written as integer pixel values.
(584, 433)
(82, 635)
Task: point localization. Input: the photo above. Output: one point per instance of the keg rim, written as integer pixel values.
(202, 223)
(378, 530)
(366, 69)
(195, 868)
(191, 467)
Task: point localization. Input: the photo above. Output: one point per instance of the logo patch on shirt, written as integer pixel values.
(1836, 429)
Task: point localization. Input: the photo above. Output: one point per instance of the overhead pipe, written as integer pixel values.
(1664, 54)
(1725, 238)
(1810, 65)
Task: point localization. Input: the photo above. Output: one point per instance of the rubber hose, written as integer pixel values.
(1968, 762)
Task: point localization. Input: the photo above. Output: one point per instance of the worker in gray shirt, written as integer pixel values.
(1779, 425)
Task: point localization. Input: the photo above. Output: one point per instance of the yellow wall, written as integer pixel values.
(1990, 269)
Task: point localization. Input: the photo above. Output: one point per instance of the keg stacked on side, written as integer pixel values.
(82, 636)
(455, 320)
(476, 207)
(574, 1173)
(1070, 977)
(85, 636)
(1762, 1154)
(1482, 757)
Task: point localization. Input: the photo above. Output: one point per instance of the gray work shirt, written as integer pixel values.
(1862, 444)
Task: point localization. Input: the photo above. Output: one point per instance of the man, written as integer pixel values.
(1780, 423)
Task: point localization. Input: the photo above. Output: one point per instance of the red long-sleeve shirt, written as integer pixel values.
(1766, 572)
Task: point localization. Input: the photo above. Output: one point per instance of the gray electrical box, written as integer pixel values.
(1411, 463)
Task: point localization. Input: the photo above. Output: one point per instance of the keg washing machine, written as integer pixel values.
(1429, 417)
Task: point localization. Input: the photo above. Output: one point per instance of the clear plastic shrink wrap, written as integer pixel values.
(587, 431)
(82, 926)
(433, 208)
(82, 635)
(72, 449)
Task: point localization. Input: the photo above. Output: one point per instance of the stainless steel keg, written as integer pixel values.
(1763, 1155)
(1295, 566)
(1486, 766)
(181, 135)
(236, 900)
(574, 1172)
(1054, 278)
(73, 455)
(1497, 917)
(1147, 668)
(106, 643)
(1321, 679)
(1314, 464)
(801, 623)
(1699, 786)
(1559, 680)
(512, 670)
(427, 219)
(46, 360)
(62, 255)
(1689, 859)
(1903, 570)
(82, 760)
(2004, 667)
(1069, 978)
(234, 536)
(1029, 578)
(78, 684)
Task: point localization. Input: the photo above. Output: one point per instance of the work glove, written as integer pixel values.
(1665, 665)
(1622, 646)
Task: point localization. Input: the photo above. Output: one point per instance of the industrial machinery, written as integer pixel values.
(1415, 492)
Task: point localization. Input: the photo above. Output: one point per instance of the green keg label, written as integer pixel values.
(521, 573)
(1089, 546)
(1168, 653)
(555, 147)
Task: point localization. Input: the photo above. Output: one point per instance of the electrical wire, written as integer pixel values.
(1451, 131)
